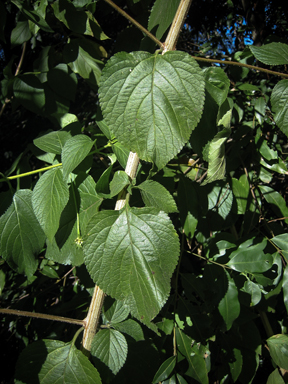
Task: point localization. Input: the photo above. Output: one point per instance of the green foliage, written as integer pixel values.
(194, 267)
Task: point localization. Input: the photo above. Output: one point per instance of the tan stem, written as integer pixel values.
(131, 169)
(42, 316)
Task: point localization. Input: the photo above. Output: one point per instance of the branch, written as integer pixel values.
(42, 316)
(144, 30)
(240, 65)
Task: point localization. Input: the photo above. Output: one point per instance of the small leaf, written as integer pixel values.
(271, 54)
(236, 364)
(254, 290)
(75, 150)
(121, 153)
(165, 370)
(251, 259)
(137, 95)
(197, 367)
(49, 198)
(52, 142)
(217, 84)
(102, 186)
(52, 361)
(111, 348)
(131, 254)
(131, 328)
(240, 192)
(278, 348)
(161, 16)
(285, 287)
(22, 237)
(229, 306)
(279, 100)
(115, 313)
(188, 206)
(278, 204)
(157, 196)
(120, 181)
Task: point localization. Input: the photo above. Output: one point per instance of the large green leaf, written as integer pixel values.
(278, 204)
(157, 196)
(161, 16)
(278, 348)
(197, 367)
(22, 237)
(271, 54)
(165, 370)
(52, 361)
(251, 259)
(152, 102)
(131, 254)
(74, 151)
(111, 348)
(49, 198)
(20, 33)
(279, 100)
(229, 306)
(52, 142)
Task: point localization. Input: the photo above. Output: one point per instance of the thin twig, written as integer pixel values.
(42, 316)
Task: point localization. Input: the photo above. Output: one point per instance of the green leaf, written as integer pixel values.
(111, 348)
(181, 379)
(62, 81)
(121, 153)
(138, 100)
(217, 84)
(35, 16)
(52, 142)
(236, 365)
(275, 378)
(229, 306)
(102, 186)
(254, 290)
(131, 328)
(83, 57)
(52, 361)
(29, 91)
(220, 199)
(20, 33)
(131, 254)
(21, 235)
(271, 54)
(188, 206)
(285, 287)
(251, 259)
(240, 192)
(115, 313)
(279, 100)
(165, 370)
(278, 204)
(49, 198)
(157, 196)
(278, 348)
(120, 181)
(74, 151)
(161, 16)
(216, 157)
(197, 367)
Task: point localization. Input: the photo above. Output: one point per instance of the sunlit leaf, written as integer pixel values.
(271, 54)
(278, 348)
(152, 102)
(111, 348)
(157, 196)
(131, 254)
(161, 16)
(52, 142)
